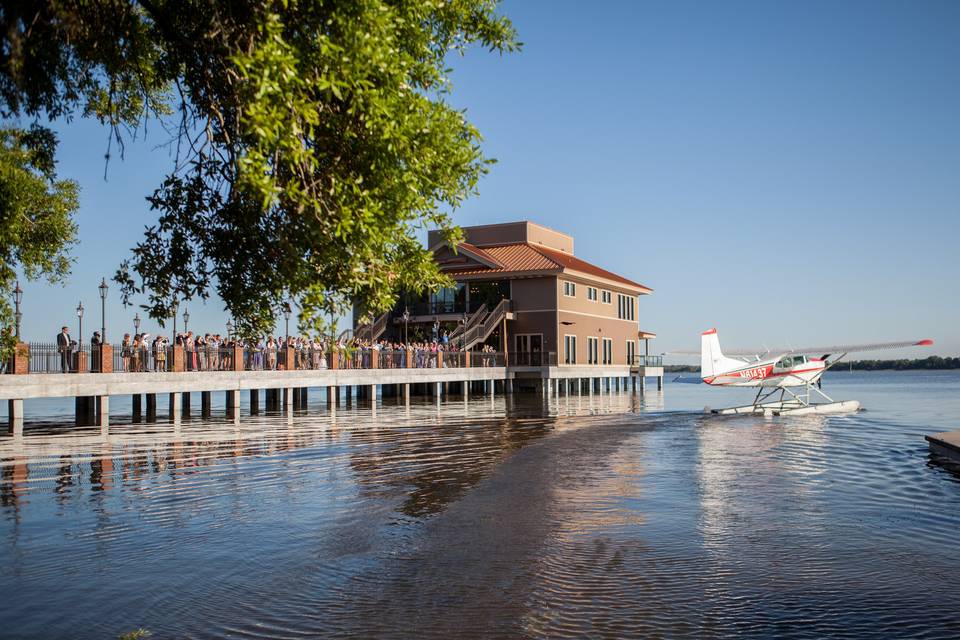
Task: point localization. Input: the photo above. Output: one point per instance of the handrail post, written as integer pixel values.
(80, 361)
(21, 359)
(178, 359)
(106, 358)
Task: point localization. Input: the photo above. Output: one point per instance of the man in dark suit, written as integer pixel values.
(63, 346)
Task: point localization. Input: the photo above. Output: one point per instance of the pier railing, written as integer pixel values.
(130, 358)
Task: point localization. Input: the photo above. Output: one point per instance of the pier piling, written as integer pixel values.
(151, 407)
(15, 417)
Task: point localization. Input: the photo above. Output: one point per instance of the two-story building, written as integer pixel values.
(520, 288)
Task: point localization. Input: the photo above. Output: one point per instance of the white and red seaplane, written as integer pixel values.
(794, 374)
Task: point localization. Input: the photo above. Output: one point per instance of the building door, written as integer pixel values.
(529, 349)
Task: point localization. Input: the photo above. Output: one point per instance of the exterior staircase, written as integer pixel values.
(371, 332)
(472, 321)
(482, 329)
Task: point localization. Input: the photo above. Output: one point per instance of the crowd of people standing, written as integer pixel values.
(214, 352)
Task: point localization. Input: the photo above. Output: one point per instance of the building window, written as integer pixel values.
(607, 351)
(569, 349)
(593, 351)
(592, 293)
(606, 297)
(631, 351)
(626, 307)
(570, 289)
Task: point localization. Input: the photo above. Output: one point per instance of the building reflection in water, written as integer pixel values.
(432, 458)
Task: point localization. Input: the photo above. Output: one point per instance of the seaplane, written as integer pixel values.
(788, 381)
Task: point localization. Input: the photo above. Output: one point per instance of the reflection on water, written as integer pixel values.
(608, 515)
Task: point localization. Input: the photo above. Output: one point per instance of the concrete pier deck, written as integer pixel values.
(92, 391)
(946, 444)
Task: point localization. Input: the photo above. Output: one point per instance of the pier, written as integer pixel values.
(946, 444)
(362, 375)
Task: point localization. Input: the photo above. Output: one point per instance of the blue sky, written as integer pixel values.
(786, 172)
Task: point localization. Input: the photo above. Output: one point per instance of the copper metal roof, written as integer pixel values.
(525, 257)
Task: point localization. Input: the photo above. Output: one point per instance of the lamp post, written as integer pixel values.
(176, 306)
(406, 319)
(229, 329)
(80, 328)
(286, 318)
(136, 324)
(17, 316)
(186, 320)
(463, 334)
(103, 310)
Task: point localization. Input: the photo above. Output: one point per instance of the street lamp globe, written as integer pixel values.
(229, 329)
(136, 323)
(186, 319)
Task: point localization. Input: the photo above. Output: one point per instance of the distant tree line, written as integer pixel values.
(903, 364)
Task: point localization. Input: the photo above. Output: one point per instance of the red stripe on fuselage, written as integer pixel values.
(768, 374)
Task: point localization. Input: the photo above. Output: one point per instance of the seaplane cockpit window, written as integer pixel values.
(799, 359)
(785, 362)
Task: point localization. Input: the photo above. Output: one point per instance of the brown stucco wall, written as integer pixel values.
(523, 231)
(584, 326)
(534, 308)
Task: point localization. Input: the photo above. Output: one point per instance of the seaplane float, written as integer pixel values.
(788, 381)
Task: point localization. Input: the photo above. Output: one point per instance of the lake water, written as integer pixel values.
(606, 517)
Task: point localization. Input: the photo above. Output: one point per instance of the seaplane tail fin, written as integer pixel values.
(712, 360)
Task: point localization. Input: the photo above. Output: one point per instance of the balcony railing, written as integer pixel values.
(533, 359)
(647, 361)
(444, 308)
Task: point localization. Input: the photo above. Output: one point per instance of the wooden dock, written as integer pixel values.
(946, 444)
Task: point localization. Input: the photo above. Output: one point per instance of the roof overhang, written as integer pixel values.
(615, 284)
(470, 251)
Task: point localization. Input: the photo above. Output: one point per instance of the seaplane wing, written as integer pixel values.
(837, 348)
(854, 348)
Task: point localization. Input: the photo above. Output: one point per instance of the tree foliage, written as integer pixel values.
(313, 137)
(36, 215)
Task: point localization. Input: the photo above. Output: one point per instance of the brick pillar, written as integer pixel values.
(178, 359)
(334, 358)
(238, 358)
(409, 358)
(80, 362)
(439, 359)
(466, 359)
(106, 358)
(374, 358)
(288, 359)
(21, 359)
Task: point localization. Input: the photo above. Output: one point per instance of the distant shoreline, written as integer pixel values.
(932, 363)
